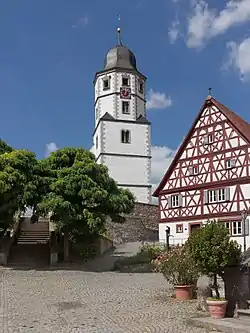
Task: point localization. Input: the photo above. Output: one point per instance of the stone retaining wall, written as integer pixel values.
(140, 225)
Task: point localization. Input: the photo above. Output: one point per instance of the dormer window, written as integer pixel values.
(230, 163)
(208, 139)
(125, 81)
(106, 82)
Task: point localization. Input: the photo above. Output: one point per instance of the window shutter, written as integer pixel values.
(180, 200)
(205, 140)
(205, 197)
(247, 227)
(227, 194)
(233, 162)
(169, 202)
(190, 171)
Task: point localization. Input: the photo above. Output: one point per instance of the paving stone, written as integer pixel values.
(66, 301)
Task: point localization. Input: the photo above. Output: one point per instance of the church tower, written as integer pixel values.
(121, 139)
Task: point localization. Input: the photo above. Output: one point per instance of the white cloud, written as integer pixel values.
(205, 23)
(50, 148)
(81, 22)
(174, 31)
(238, 58)
(158, 100)
(162, 157)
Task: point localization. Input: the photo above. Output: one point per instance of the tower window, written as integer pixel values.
(125, 136)
(140, 86)
(125, 107)
(106, 83)
(96, 142)
(125, 81)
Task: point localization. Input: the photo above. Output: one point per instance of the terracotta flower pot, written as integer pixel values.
(217, 308)
(184, 293)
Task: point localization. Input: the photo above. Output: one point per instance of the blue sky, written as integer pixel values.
(50, 51)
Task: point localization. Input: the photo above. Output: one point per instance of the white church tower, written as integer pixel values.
(121, 139)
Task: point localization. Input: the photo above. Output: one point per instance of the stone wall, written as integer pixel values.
(140, 225)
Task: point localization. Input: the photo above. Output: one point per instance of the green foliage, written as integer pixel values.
(16, 168)
(212, 249)
(81, 194)
(177, 266)
(150, 251)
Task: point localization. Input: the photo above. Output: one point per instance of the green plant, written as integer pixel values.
(212, 250)
(177, 267)
(150, 251)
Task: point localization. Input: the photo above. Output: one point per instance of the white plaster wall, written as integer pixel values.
(128, 170)
(142, 194)
(140, 138)
(180, 238)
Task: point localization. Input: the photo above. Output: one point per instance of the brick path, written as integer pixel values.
(84, 302)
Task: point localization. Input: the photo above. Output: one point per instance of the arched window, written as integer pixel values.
(125, 136)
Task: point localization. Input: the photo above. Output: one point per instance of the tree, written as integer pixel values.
(212, 250)
(81, 194)
(16, 168)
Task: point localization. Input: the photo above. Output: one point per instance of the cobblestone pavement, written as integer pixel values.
(85, 302)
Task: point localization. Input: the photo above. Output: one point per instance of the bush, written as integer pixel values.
(150, 251)
(212, 250)
(177, 266)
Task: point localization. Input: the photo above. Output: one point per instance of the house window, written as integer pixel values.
(236, 228)
(227, 226)
(221, 194)
(212, 196)
(96, 142)
(175, 201)
(194, 170)
(208, 139)
(125, 107)
(179, 228)
(125, 136)
(141, 86)
(106, 83)
(125, 81)
(230, 163)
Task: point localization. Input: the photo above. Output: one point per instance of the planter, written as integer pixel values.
(217, 308)
(184, 293)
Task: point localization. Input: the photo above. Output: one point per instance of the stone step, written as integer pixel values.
(32, 242)
(243, 312)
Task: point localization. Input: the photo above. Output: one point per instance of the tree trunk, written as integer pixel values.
(66, 245)
(216, 287)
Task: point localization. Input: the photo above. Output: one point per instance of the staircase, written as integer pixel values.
(32, 246)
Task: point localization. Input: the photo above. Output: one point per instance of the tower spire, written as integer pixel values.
(119, 30)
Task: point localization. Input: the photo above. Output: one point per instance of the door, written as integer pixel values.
(194, 227)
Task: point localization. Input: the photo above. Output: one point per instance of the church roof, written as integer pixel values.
(120, 57)
(142, 120)
(107, 116)
(236, 121)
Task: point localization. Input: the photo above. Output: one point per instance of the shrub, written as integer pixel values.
(177, 267)
(212, 250)
(150, 251)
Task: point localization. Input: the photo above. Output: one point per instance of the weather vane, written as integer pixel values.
(210, 91)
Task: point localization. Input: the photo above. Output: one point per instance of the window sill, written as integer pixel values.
(106, 88)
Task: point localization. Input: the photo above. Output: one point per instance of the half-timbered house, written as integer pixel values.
(209, 178)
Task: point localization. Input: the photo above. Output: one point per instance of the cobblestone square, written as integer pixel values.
(85, 302)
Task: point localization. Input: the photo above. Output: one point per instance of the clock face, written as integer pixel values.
(125, 93)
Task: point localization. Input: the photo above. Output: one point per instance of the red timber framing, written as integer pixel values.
(213, 162)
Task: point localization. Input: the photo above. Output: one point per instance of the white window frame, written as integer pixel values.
(175, 201)
(140, 86)
(195, 170)
(237, 228)
(125, 136)
(221, 195)
(125, 110)
(126, 77)
(212, 196)
(104, 80)
(230, 163)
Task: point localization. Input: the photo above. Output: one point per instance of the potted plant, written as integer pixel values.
(179, 269)
(212, 250)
